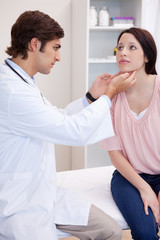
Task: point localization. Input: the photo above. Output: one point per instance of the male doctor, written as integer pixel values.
(30, 125)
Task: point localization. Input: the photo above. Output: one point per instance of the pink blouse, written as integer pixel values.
(139, 139)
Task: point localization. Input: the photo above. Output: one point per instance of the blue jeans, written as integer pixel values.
(128, 200)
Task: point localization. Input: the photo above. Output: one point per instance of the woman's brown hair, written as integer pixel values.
(148, 45)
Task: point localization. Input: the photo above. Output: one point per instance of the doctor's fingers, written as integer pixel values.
(104, 76)
(115, 75)
(119, 73)
(122, 82)
(132, 78)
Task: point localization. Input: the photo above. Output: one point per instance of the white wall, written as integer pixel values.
(56, 86)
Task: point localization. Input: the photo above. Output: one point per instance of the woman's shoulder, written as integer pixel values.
(158, 83)
(157, 77)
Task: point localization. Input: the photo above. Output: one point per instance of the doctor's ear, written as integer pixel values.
(34, 44)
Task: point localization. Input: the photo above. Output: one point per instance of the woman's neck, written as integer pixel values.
(144, 82)
(140, 94)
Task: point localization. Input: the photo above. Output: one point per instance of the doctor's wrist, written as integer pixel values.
(110, 92)
(90, 98)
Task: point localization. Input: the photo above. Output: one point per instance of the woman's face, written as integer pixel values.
(130, 56)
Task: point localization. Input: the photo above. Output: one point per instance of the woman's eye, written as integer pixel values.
(132, 47)
(120, 48)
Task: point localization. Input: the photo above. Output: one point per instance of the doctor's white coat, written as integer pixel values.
(29, 128)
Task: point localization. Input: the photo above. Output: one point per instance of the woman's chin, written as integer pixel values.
(126, 70)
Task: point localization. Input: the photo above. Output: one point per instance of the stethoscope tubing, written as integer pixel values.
(15, 71)
(20, 76)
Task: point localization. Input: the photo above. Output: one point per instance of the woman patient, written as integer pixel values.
(135, 148)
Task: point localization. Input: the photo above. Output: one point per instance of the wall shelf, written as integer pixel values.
(102, 61)
(92, 55)
(110, 28)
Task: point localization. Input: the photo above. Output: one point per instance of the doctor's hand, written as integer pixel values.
(106, 84)
(99, 86)
(119, 83)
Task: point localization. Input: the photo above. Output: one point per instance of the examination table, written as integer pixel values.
(95, 184)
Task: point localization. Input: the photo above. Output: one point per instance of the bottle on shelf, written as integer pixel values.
(122, 21)
(103, 17)
(114, 51)
(93, 16)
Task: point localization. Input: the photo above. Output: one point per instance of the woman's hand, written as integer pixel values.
(159, 205)
(150, 199)
(148, 196)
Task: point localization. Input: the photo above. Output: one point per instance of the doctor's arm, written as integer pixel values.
(30, 117)
(148, 196)
(104, 84)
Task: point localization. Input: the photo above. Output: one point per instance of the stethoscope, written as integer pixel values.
(15, 71)
(21, 77)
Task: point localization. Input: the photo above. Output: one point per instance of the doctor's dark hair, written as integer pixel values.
(148, 45)
(32, 24)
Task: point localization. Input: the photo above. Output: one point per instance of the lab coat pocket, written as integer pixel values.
(13, 192)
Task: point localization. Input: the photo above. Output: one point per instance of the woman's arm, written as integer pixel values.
(148, 196)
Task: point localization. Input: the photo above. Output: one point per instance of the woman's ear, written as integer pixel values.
(146, 60)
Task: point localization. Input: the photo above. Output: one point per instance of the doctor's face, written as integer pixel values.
(130, 56)
(46, 58)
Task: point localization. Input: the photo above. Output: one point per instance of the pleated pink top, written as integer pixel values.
(139, 139)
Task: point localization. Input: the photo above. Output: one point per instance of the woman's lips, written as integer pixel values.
(123, 61)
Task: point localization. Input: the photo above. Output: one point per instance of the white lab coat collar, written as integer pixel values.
(18, 69)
